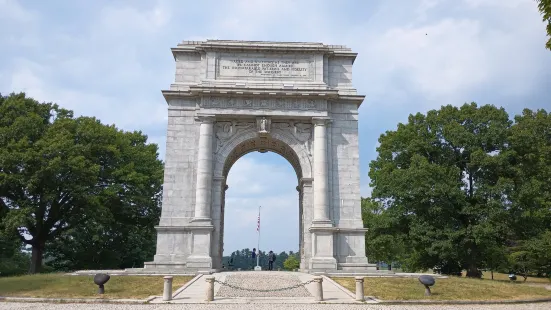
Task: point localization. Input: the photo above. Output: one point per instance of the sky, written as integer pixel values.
(111, 59)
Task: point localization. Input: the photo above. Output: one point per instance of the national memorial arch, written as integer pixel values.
(230, 98)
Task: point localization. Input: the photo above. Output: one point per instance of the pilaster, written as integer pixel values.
(320, 173)
(203, 190)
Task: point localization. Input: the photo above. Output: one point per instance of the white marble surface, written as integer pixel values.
(305, 93)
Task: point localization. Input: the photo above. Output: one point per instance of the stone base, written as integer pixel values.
(322, 264)
(193, 265)
(199, 262)
(356, 264)
(170, 265)
(359, 267)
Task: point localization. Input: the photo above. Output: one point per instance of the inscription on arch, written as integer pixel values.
(220, 102)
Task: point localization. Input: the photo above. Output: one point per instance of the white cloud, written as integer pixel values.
(497, 3)
(448, 59)
(11, 10)
(133, 113)
(125, 20)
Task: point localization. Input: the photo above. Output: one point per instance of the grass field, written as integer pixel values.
(453, 288)
(63, 286)
(497, 276)
(505, 277)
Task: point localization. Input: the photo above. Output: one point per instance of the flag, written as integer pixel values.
(258, 222)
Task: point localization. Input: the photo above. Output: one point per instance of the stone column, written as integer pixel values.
(210, 288)
(318, 281)
(167, 289)
(321, 202)
(203, 190)
(359, 288)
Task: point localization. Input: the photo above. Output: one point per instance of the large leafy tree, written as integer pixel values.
(530, 144)
(444, 176)
(12, 259)
(544, 7)
(384, 240)
(530, 139)
(124, 235)
(61, 175)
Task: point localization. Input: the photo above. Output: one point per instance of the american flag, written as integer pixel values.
(258, 222)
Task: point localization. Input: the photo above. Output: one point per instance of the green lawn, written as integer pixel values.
(453, 288)
(505, 277)
(64, 286)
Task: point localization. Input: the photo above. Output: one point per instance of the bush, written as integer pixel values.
(291, 263)
(15, 265)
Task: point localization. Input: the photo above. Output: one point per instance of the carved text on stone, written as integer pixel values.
(219, 102)
(263, 67)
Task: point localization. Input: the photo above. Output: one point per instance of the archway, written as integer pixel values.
(246, 142)
(267, 180)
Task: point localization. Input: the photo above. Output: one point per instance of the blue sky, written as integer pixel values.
(111, 59)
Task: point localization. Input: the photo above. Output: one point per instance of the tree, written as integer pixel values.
(530, 139)
(544, 7)
(13, 260)
(291, 263)
(532, 256)
(495, 258)
(530, 153)
(444, 177)
(280, 260)
(242, 259)
(60, 175)
(383, 240)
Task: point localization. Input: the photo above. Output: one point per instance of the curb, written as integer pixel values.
(74, 300)
(463, 302)
(378, 301)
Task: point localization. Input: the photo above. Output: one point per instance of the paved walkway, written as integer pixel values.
(41, 306)
(261, 280)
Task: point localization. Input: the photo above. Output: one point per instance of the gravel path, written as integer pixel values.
(262, 282)
(39, 306)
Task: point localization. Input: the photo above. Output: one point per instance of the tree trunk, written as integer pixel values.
(473, 272)
(492, 274)
(36, 258)
(390, 266)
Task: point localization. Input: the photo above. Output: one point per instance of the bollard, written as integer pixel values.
(100, 279)
(210, 288)
(167, 291)
(319, 288)
(359, 288)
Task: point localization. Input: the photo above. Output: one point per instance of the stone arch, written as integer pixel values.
(278, 141)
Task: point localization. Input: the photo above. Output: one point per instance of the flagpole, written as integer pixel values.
(258, 245)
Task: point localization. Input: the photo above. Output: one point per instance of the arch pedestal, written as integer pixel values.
(219, 112)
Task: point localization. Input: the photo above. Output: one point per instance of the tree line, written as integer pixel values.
(459, 188)
(242, 259)
(463, 188)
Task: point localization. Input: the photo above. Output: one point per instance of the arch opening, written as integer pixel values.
(266, 180)
(261, 144)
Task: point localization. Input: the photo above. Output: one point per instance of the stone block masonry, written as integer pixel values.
(233, 97)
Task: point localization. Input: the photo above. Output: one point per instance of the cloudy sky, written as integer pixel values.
(111, 59)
